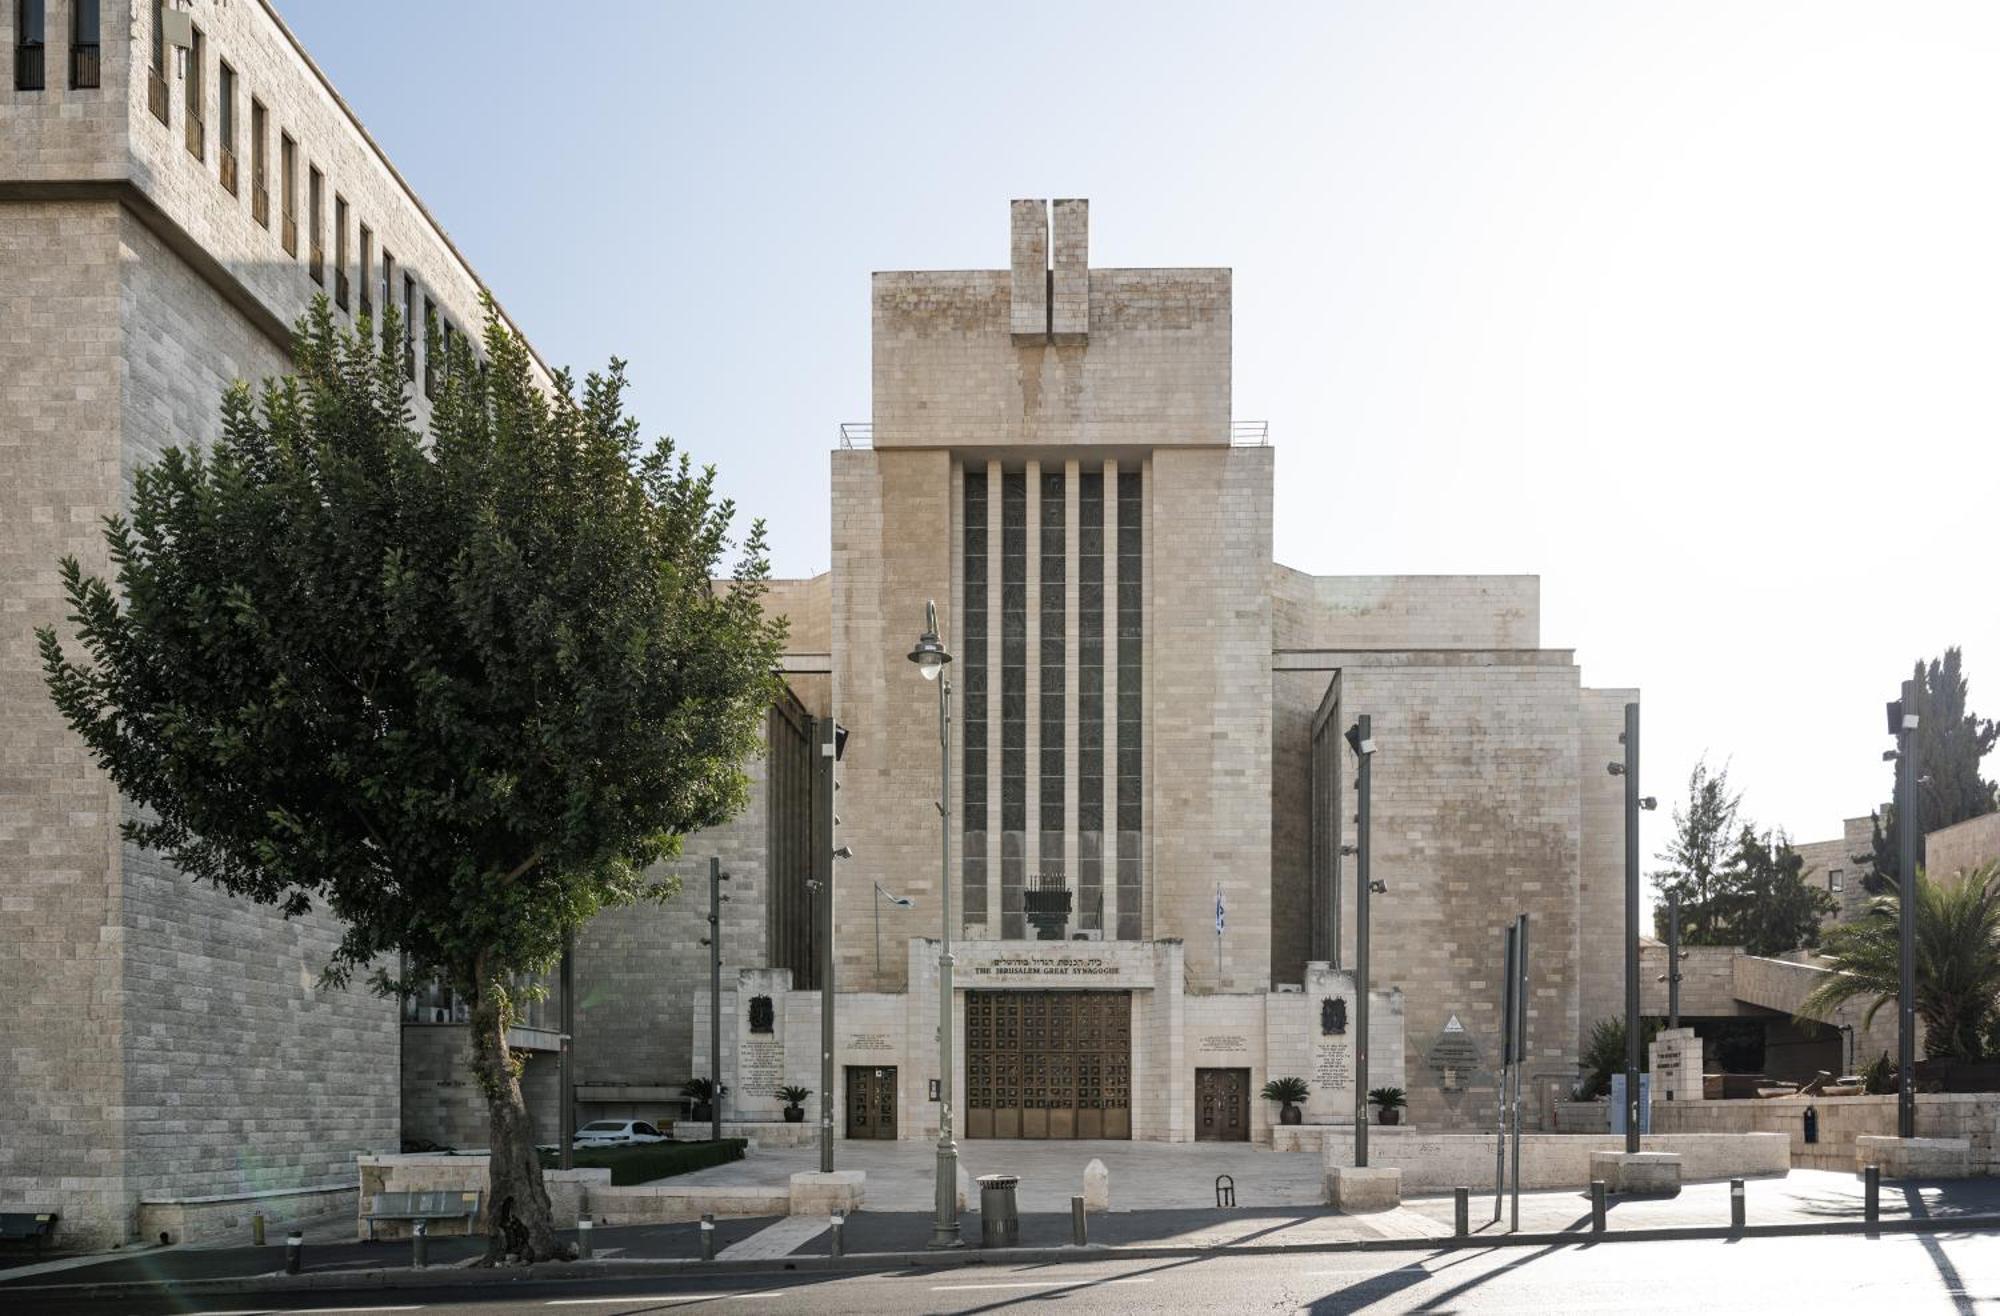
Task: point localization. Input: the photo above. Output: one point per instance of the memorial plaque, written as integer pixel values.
(761, 1070)
(1454, 1057)
(1333, 1064)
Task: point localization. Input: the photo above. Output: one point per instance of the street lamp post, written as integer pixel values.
(1360, 737)
(931, 657)
(1903, 726)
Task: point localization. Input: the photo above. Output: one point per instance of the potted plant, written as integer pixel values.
(702, 1093)
(1289, 1092)
(794, 1098)
(1389, 1102)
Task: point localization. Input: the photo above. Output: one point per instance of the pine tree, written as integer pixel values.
(1949, 744)
(1768, 906)
(1698, 857)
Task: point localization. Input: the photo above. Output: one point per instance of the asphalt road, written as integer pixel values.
(1901, 1274)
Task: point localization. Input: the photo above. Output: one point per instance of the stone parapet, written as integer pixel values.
(1914, 1158)
(1352, 1191)
(1637, 1174)
(815, 1193)
(208, 1219)
(1440, 1161)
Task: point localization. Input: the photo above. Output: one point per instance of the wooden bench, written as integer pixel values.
(445, 1205)
(26, 1226)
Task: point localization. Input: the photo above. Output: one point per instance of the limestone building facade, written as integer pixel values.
(177, 182)
(1146, 744)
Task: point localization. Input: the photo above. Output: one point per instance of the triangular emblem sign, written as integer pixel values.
(1452, 1025)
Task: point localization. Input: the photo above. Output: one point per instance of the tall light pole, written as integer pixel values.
(566, 1099)
(1629, 770)
(931, 658)
(1360, 739)
(1903, 726)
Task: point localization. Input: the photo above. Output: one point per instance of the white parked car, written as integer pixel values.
(617, 1133)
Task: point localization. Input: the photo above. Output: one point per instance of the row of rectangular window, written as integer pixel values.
(344, 294)
(31, 42)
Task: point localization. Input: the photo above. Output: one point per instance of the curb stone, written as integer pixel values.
(387, 1278)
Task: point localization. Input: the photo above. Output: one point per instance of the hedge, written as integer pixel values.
(649, 1161)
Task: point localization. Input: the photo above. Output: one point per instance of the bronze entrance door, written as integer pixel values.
(871, 1101)
(1222, 1105)
(1048, 1064)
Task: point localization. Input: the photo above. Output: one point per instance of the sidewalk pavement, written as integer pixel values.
(1803, 1199)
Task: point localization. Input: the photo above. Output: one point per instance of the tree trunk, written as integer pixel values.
(520, 1224)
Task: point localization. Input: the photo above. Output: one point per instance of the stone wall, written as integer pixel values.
(1403, 612)
(1971, 1115)
(1476, 818)
(1208, 700)
(1600, 886)
(1959, 849)
(1708, 983)
(1823, 859)
(1439, 1162)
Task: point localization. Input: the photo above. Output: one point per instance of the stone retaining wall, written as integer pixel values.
(1974, 1116)
(1433, 1162)
(207, 1219)
(434, 1173)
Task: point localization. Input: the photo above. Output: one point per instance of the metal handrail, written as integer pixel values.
(1242, 434)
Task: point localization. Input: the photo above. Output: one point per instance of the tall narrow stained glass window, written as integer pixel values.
(1131, 702)
(1090, 703)
(972, 698)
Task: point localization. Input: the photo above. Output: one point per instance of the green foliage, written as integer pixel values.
(1949, 744)
(1604, 1055)
(703, 1090)
(650, 1161)
(1698, 857)
(1737, 886)
(1879, 1078)
(461, 692)
(1767, 906)
(1957, 969)
(793, 1095)
(1387, 1098)
(1288, 1090)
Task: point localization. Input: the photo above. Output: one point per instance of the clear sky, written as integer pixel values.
(1693, 310)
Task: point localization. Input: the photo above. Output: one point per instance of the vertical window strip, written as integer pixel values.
(1131, 630)
(30, 46)
(972, 697)
(1090, 704)
(1053, 658)
(1013, 701)
(85, 67)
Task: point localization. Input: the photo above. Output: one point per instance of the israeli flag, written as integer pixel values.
(1218, 911)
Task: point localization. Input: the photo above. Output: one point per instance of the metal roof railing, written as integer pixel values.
(1242, 434)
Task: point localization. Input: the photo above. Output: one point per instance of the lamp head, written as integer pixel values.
(930, 655)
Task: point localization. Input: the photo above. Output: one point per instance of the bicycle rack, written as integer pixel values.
(1225, 1190)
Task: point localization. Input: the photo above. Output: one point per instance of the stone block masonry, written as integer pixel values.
(166, 1045)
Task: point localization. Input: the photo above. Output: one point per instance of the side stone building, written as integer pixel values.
(177, 182)
(1152, 799)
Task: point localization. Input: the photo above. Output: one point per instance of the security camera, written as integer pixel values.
(1648, 802)
(1615, 769)
(1379, 887)
(1350, 849)
(844, 852)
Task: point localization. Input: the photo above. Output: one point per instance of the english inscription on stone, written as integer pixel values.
(1222, 1043)
(762, 1069)
(870, 1042)
(1333, 1064)
(1063, 966)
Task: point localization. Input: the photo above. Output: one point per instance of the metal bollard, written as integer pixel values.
(1597, 1206)
(1871, 1193)
(420, 1245)
(583, 1227)
(1736, 1204)
(295, 1252)
(1079, 1228)
(708, 1237)
(1461, 1212)
(257, 1229)
(839, 1234)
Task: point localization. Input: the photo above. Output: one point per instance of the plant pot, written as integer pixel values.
(1290, 1114)
(1392, 1116)
(701, 1113)
(795, 1114)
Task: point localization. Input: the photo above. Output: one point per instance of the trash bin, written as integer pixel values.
(1812, 1124)
(999, 1221)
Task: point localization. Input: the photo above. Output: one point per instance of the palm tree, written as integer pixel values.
(1958, 962)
